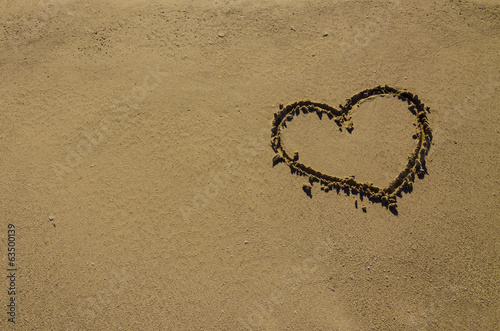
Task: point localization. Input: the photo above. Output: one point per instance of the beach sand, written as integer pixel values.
(137, 169)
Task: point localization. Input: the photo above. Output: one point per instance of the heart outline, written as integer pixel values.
(403, 182)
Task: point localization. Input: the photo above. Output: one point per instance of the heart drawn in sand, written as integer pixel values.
(342, 117)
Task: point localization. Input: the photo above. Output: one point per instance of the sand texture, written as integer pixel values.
(250, 165)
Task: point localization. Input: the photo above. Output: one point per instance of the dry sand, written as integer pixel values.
(137, 167)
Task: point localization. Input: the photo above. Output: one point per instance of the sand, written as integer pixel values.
(138, 178)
